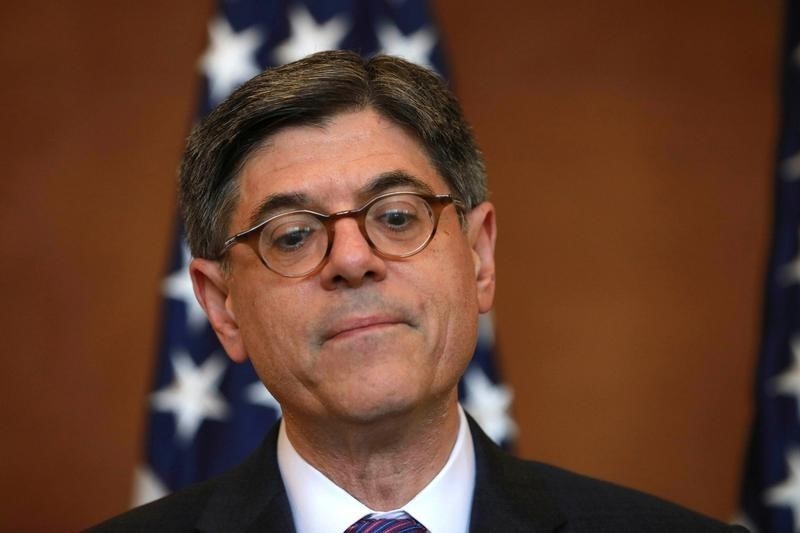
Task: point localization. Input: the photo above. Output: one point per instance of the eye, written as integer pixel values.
(397, 219)
(290, 236)
(396, 216)
(293, 239)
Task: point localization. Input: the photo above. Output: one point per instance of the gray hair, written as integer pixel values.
(310, 92)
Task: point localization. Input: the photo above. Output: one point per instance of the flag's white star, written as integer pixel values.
(416, 47)
(147, 487)
(787, 492)
(308, 37)
(258, 394)
(488, 404)
(194, 394)
(790, 272)
(230, 59)
(790, 167)
(788, 382)
(178, 286)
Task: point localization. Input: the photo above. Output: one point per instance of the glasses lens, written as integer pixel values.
(293, 244)
(399, 225)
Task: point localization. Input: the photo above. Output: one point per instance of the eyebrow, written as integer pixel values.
(384, 182)
(394, 179)
(278, 202)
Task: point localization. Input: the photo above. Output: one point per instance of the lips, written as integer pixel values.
(355, 325)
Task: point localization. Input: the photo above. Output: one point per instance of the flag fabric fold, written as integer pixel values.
(770, 496)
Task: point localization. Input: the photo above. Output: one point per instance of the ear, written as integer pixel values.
(482, 234)
(212, 291)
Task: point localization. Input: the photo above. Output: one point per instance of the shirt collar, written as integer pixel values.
(319, 505)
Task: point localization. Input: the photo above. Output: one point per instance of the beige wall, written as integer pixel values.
(629, 146)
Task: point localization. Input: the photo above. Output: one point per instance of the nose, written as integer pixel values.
(351, 261)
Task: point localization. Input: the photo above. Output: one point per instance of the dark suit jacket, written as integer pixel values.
(511, 495)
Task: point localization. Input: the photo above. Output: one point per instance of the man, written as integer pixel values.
(336, 209)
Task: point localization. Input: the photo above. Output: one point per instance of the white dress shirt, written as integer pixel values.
(320, 506)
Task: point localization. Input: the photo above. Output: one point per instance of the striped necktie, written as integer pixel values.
(403, 523)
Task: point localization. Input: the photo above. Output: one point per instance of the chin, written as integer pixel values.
(372, 408)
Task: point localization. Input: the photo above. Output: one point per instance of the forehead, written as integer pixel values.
(329, 164)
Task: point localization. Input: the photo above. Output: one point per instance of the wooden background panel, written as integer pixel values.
(629, 147)
(97, 99)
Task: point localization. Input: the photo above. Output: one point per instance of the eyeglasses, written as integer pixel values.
(395, 225)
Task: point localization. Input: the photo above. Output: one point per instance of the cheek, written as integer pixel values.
(452, 301)
(272, 325)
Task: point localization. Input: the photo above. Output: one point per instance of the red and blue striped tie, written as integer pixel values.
(402, 524)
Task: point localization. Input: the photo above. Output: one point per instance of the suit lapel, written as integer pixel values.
(251, 497)
(275, 518)
(509, 496)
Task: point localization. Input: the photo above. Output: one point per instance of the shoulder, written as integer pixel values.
(595, 505)
(178, 511)
(518, 493)
(231, 501)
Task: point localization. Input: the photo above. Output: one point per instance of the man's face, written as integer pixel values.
(363, 337)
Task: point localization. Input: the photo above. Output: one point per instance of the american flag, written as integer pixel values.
(207, 414)
(771, 487)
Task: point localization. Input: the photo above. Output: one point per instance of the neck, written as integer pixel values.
(385, 463)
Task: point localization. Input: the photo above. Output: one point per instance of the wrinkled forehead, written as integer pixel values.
(335, 165)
